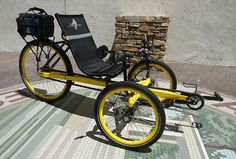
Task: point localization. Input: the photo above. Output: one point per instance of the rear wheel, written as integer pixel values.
(161, 74)
(129, 126)
(47, 56)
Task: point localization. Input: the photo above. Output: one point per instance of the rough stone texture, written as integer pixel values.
(130, 31)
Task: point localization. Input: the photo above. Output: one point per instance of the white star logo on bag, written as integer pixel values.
(74, 24)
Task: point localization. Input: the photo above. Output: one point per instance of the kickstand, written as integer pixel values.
(216, 97)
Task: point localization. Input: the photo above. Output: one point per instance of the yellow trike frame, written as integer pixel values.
(159, 92)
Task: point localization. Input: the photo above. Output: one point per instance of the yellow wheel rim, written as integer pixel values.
(143, 66)
(105, 127)
(30, 85)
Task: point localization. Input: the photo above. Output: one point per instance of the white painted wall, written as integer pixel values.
(201, 31)
(100, 15)
(9, 10)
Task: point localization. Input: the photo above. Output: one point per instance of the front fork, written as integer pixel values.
(125, 70)
(148, 68)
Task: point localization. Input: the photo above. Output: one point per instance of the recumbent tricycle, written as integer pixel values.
(129, 113)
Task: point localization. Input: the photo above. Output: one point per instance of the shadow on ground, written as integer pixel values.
(83, 106)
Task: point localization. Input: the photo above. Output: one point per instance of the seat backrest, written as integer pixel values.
(76, 32)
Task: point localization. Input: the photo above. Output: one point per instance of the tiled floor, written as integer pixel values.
(66, 129)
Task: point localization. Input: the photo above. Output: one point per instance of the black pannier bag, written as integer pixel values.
(39, 24)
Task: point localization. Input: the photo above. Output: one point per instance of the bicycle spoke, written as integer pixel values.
(115, 112)
(46, 87)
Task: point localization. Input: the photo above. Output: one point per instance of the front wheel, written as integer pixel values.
(128, 125)
(195, 102)
(161, 74)
(37, 56)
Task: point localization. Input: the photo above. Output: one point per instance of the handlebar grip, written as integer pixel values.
(38, 9)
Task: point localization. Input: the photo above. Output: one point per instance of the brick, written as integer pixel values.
(161, 35)
(138, 37)
(122, 25)
(138, 18)
(155, 57)
(163, 30)
(162, 19)
(130, 49)
(150, 34)
(161, 53)
(148, 18)
(118, 47)
(118, 31)
(163, 48)
(158, 43)
(138, 33)
(131, 41)
(118, 19)
(131, 45)
(134, 25)
(130, 31)
(143, 29)
(120, 41)
(138, 42)
(155, 49)
(118, 36)
(126, 36)
(125, 32)
(135, 60)
(164, 24)
(155, 31)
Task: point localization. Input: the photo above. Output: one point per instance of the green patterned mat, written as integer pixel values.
(34, 129)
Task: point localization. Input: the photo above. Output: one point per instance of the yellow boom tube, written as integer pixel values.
(162, 94)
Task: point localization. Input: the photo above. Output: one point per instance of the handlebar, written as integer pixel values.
(144, 51)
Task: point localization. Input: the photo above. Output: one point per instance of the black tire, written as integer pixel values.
(160, 64)
(196, 102)
(61, 55)
(136, 87)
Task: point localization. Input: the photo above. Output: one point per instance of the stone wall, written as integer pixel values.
(130, 31)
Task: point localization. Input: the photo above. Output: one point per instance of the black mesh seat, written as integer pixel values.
(83, 47)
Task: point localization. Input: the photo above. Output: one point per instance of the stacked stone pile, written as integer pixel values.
(130, 31)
